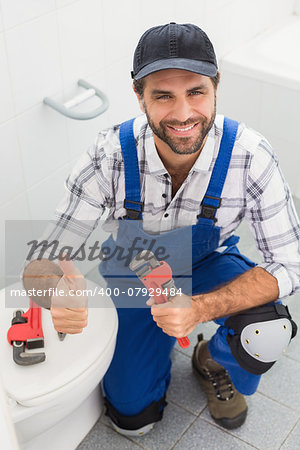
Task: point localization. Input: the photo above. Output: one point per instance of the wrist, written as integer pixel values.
(201, 314)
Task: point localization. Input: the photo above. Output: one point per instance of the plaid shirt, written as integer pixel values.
(254, 189)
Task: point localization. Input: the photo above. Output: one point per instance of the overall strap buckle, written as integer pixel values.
(133, 213)
(212, 199)
(209, 209)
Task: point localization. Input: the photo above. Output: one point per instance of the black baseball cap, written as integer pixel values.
(174, 46)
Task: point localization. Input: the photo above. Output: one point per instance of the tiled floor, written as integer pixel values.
(274, 411)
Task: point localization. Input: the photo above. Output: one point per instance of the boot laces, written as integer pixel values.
(222, 384)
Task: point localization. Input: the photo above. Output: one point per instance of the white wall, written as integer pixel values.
(271, 109)
(46, 46)
(260, 86)
(297, 7)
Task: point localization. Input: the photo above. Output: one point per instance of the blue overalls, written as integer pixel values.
(140, 370)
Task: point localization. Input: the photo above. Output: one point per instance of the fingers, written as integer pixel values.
(171, 330)
(174, 327)
(67, 330)
(68, 268)
(163, 309)
(71, 321)
(70, 314)
(72, 276)
(150, 301)
(174, 319)
(69, 295)
(173, 322)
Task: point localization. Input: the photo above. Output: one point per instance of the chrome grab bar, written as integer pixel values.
(65, 108)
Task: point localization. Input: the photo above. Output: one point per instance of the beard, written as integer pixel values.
(183, 145)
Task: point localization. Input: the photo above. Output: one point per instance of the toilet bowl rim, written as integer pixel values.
(72, 384)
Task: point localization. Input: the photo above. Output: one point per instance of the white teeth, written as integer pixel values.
(184, 129)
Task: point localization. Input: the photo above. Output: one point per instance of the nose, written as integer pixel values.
(182, 110)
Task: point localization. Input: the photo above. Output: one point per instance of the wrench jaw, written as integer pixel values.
(22, 358)
(139, 261)
(143, 264)
(31, 323)
(154, 274)
(170, 286)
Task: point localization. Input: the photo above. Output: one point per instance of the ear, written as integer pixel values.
(140, 100)
(217, 88)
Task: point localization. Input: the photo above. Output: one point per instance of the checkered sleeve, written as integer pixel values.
(273, 219)
(86, 194)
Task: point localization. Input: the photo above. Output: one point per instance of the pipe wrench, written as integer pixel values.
(156, 275)
(26, 330)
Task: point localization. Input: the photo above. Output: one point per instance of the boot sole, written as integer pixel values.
(225, 422)
(235, 422)
(139, 432)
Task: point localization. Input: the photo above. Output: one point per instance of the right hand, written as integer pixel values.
(69, 312)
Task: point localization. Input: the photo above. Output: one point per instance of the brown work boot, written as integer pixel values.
(226, 405)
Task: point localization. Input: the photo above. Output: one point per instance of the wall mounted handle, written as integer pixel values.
(65, 108)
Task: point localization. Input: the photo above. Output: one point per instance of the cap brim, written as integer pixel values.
(202, 67)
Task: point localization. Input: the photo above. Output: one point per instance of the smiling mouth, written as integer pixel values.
(182, 130)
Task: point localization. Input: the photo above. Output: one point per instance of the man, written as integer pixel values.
(176, 166)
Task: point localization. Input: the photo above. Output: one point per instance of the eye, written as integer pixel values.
(163, 97)
(196, 93)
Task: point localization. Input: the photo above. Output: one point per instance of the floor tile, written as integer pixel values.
(166, 432)
(293, 350)
(293, 440)
(104, 438)
(204, 436)
(169, 430)
(184, 388)
(293, 304)
(281, 383)
(267, 424)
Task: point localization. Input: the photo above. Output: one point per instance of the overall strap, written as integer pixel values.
(212, 198)
(132, 202)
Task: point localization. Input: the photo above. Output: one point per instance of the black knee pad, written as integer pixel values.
(153, 413)
(260, 336)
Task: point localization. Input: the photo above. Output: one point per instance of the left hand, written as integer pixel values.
(177, 317)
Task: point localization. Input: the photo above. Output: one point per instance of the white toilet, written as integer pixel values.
(55, 403)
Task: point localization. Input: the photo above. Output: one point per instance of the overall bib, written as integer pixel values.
(139, 373)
